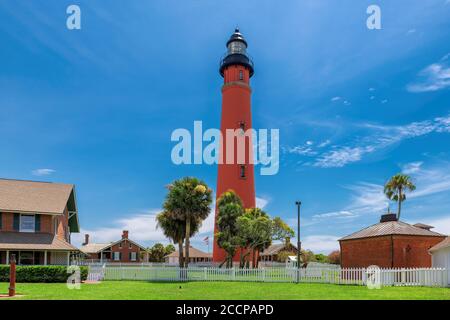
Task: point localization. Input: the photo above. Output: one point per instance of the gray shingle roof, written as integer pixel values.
(193, 253)
(276, 248)
(391, 228)
(33, 241)
(32, 196)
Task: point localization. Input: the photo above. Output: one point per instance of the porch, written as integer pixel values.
(37, 257)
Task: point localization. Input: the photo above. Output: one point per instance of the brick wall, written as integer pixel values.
(125, 249)
(7, 225)
(408, 251)
(412, 251)
(361, 253)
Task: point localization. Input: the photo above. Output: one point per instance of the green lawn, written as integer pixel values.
(117, 290)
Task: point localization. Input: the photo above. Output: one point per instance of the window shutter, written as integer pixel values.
(120, 255)
(16, 222)
(1, 222)
(37, 222)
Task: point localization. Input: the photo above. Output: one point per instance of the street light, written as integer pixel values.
(299, 244)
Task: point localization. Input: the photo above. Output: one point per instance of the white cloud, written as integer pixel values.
(261, 202)
(320, 243)
(42, 172)
(324, 143)
(335, 99)
(335, 214)
(434, 77)
(341, 156)
(141, 227)
(412, 167)
(381, 138)
(441, 225)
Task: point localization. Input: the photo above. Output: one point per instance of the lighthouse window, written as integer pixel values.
(236, 47)
(241, 75)
(242, 173)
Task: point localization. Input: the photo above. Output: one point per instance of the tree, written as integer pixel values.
(189, 199)
(169, 249)
(321, 258)
(281, 230)
(157, 253)
(229, 209)
(255, 232)
(335, 257)
(175, 230)
(395, 189)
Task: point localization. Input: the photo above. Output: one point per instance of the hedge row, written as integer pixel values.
(40, 273)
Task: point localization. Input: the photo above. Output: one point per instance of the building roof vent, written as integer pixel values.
(423, 226)
(388, 217)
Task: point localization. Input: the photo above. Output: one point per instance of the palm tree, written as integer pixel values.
(395, 189)
(189, 199)
(229, 209)
(175, 230)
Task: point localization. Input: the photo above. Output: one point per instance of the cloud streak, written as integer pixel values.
(433, 78)
(379, 138)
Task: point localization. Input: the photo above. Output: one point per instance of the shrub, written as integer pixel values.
(40, 273)
(335, 257)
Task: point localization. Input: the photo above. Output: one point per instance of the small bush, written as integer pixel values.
(40, 273)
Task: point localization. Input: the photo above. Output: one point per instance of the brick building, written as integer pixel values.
(36, 222)
(123, 250)
(389, 244)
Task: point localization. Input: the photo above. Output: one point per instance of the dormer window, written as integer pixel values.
(27, 223)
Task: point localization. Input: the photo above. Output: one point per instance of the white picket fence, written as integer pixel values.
(430, 277)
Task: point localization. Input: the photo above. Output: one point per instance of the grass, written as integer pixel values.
(141, 290)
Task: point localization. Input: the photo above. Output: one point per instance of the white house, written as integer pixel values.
(441, 255)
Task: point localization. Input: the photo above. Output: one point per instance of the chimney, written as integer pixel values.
(388, 217)
(125, 234)
(86, 239)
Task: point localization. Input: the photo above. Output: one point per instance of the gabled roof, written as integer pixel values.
(23, 196)
(94, 247)
(33, 241)
(391, 228)
(193, 253)
(443, 244)
(97, 247)
(276, 248)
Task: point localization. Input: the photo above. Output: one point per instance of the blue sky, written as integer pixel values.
(96, 106)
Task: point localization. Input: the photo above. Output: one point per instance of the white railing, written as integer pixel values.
(353, 276)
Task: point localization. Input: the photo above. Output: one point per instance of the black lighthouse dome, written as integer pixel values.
(236, 53)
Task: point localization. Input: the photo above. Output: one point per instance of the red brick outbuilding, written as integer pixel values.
(389, 244)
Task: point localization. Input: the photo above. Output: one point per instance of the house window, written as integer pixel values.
(120, 245)
(242, 172)
(241, 75)
(130, 246)
(133, 256)
(116, 256)
(27, 223)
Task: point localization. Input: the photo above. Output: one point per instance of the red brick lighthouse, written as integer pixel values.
(236, 68)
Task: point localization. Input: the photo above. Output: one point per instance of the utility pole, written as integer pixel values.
(299, 244)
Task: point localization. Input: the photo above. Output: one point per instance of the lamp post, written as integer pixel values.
(299, 244)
